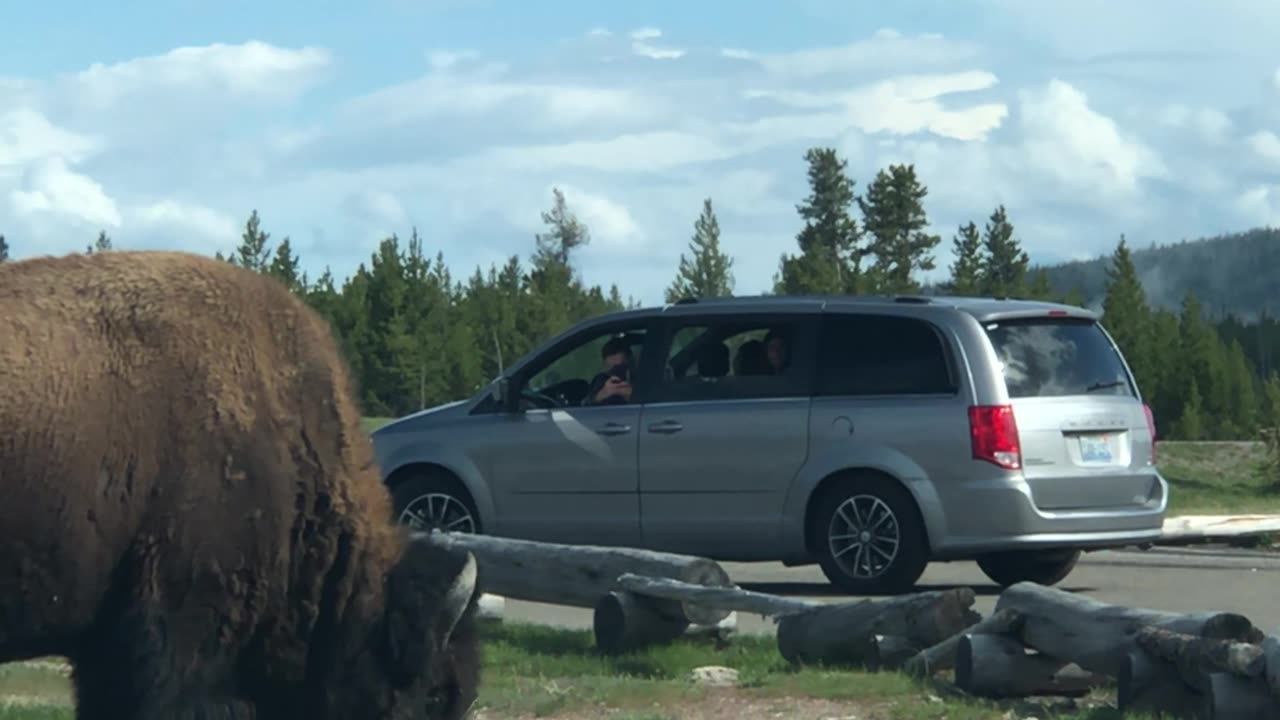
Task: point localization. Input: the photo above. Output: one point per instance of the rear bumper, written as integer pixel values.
(1001, 515)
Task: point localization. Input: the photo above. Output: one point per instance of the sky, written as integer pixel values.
(165, 122)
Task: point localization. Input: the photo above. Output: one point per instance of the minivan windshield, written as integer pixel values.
(1053, 357)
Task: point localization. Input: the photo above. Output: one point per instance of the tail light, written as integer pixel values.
(1151, 427)
(995, 435)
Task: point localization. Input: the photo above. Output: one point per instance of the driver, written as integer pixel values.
(612, 386)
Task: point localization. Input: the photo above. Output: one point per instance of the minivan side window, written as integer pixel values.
(734, 358)
(868, 354)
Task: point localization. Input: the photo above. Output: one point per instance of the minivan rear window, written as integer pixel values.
(1053, 357)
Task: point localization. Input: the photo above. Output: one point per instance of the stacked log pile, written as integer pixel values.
(1039, 641)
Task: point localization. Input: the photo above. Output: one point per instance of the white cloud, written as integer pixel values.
(445, 59)
(1079, 135)
(1081, 148)
(1211, 124)
(50, 186)
(612, 226)
(487, 89)
(641, 46)
(908, 104)
(27, 136)
(252, 69)
(1266, 145)
(886, 50)
(382, 208)
(1260, 204)
(184, 219)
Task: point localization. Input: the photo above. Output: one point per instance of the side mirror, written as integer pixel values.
(503, 395)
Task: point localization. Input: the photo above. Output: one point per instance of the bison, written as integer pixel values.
(191, 514)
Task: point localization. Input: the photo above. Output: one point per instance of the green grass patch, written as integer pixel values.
(533, 671)
(1218, 478)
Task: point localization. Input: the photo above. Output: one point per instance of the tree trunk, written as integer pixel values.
(892, 651)
(1096, 636)
(1195, 658)
(579, 575)
(844, 633)
(1231, 697)
(721, 598)
(1271, 650)
(998, 666)
(1151, 686)
(625, 622)
(942, 656)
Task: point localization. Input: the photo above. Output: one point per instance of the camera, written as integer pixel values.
(621, 371)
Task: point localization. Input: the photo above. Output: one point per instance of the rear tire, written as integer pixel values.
(868, 537)
(433, 499)
(1043, 567)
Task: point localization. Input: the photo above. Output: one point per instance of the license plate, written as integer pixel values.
(1095, 449)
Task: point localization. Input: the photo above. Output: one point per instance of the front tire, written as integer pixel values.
(432, 499)
(869, 538)
(1044, 567)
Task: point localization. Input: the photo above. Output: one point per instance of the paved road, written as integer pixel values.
(1173, 579)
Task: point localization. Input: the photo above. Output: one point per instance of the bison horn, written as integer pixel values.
(459, 595)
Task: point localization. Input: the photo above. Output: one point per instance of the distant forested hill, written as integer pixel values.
(1236, 274)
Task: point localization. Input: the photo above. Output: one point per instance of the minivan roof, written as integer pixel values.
(984, 309)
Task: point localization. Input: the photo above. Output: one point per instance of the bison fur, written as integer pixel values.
(191, 514)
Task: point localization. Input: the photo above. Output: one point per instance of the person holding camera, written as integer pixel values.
(613, 385)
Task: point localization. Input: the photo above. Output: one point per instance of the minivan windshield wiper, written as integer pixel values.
(1103, 386)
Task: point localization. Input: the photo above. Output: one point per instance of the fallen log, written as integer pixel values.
(1150, 686)
(624, 622)
(998, 666)
(579, 575)
(1229, 696)
(1271, 651)
(1096, 636)
(844, 633)
(1195, 658)
(892, 651)
(942, 656)
(729, 598)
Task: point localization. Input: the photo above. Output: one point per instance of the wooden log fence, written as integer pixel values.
(1038, 641)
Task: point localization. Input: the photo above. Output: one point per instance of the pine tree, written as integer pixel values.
(1040, 289)
(4, 249)
(286, 267)
(1005, 269)
(966, 271)
(708, 272)
(253, 252)
(102, 244)
(1128, 317)
(830, 258)
(556, 297)
(893, 215)
(1190, 425)
(1271, 403)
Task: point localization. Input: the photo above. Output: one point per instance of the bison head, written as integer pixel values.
(423, 661)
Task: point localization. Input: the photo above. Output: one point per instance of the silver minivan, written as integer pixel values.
(869, 435)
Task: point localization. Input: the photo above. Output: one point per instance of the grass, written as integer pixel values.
(1218, 478)
(538, 672)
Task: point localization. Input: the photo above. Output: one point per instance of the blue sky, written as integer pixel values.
(165, 123)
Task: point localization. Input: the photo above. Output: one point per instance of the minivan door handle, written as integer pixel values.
(666, 427)
(614, 429)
